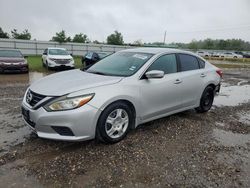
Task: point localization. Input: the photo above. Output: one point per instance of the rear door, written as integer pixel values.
(192, 78)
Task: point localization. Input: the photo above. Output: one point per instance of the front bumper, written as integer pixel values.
(57, 125)
(14, 68)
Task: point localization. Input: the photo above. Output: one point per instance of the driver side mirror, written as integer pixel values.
(154, 74)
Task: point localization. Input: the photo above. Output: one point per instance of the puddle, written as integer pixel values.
(245, 117)
(13, 79)
(13, 131)
(232, 95)
(230, 139)
(34, 76)
(219, 124)
(13, 175)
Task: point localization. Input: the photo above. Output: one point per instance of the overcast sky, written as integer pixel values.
(147, 20)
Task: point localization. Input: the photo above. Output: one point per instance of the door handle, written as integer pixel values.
(203, 75)
(177, 81)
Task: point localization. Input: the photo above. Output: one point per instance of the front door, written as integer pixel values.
(160, 96)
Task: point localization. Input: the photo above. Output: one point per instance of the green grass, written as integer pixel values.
(35, 63)
(240, 60)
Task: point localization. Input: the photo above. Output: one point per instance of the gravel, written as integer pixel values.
(183, 150)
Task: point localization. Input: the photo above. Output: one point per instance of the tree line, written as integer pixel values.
(116, 38)
(217, 44)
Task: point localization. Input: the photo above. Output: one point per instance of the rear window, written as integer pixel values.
(188, 62)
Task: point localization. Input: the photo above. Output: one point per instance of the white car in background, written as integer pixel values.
(231, 55)
(56, 58)
(203, 54)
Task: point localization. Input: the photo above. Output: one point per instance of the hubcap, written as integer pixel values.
(117, 123)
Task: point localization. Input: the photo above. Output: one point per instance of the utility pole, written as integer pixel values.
(164, 40)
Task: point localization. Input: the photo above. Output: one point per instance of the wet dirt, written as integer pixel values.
(184, 150)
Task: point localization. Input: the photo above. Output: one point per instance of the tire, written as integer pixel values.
(114, 123)
(47, 66)
(43, 63)
(206, 100)
(235, 57)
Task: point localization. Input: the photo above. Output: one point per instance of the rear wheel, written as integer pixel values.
(206, 100)
(114, 123)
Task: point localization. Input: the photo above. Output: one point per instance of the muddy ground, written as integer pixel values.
(183, 150)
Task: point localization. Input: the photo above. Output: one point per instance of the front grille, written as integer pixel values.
(63, 131)
(62, 61)
(26, 116)
(33, 98)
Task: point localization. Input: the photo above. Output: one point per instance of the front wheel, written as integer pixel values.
(47, 65)
(43, 63)
(114, 123)
(206, 100)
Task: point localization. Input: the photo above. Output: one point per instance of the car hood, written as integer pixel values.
(63, 83)
(12, 59)
(60, 56)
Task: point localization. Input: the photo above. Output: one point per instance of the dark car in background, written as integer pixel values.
(92, 57)
(244, 54)
(13, 61)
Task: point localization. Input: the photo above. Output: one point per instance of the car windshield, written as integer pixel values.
(120, 64)
(10, 53)
(58, 52)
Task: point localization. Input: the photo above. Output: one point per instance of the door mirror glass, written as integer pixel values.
(154, 74)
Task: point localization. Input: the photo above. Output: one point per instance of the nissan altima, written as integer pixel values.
(118, 93)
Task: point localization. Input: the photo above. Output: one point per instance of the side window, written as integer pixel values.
(45, 52)
(188, 62)
(202, 63)
(95, 56)
(166, 63)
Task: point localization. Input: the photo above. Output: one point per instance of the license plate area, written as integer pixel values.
(26, 116)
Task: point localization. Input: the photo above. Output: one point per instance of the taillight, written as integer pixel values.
(219, 72)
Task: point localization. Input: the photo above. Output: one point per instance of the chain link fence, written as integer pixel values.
(34, 47)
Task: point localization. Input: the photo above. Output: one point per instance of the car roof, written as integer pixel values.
(57, 48)
(156, 50)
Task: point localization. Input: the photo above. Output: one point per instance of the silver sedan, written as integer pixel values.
(118, 93)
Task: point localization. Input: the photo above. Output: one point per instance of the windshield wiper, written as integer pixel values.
(96, 72)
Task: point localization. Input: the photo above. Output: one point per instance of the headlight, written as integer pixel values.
(64, 103)
(24, 62)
